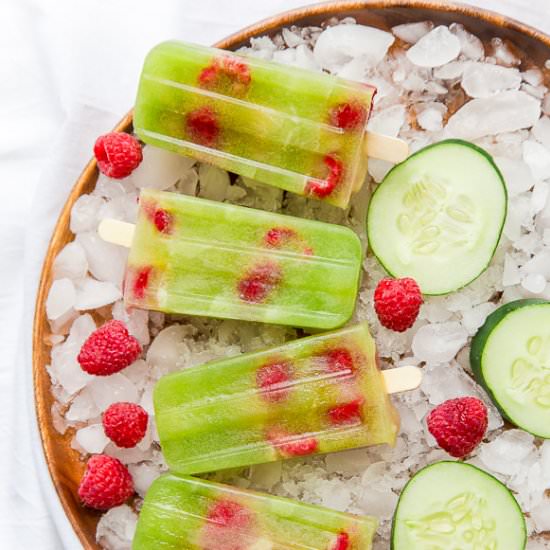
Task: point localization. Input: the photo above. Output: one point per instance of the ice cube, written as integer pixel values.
(352, 462)
(61, 299)
(541, 515)
(517, 175)
(541, 131)
(116, 528)
(160, 169)
(106, 261)
(434, 49)
(70, 262)
(511, 275)
(504, 112)
(450, 71)
(412, 32)
(169, 351)
(534, 283)
(82, 408)
(506, 452)
(84, 213)
(431, 118)
(388, 121)
(339, 44)
(266, 476)
(286, 57)
(473, 318)
(92, 438)
(214, 182)
(439, 342)
(537, 157)
(292, 39)
(470, 45)
(485, 79)
(106, 390)
(143, 475)
(538, 264)
(91, 294)
(378, 502)
(136, 320)
(305, 58)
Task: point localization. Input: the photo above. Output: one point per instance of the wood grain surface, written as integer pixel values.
(64, 464)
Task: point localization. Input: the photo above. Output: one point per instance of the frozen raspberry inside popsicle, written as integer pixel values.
(141, 282)
(229, 525)
(259, 282)
(348, 413)
(203, 126)
(272, 379)
(342, 542)
(226, 74)
(290, 444)
(348, 116)
(340, 360)
(326, 187)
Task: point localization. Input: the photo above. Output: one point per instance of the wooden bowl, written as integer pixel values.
(64, 463)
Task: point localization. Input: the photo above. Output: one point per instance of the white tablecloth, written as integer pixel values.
(68, 72)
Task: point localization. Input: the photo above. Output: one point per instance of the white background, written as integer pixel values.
(68, 72)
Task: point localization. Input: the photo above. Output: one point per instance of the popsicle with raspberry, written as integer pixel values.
(317, 394)
(295, 129)
(198, 257)
(185, 512)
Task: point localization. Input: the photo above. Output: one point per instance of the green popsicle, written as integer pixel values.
(186, 513)
(313, 395)
(198, 257)
(295, 129)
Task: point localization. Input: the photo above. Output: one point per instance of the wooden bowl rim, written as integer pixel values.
(271, 24)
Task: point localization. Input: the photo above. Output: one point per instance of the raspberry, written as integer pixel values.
(326, 187)
(141, 282)
(203, 127)
(348, 116)
(226, 74)
(340, 360)
(271, 378)
(342, 542)
(163, 221)
(259, 282)
(278, 236)
(106, 483)
(458, 425)
(228, 513)
(397, 303)
(125, 424)
(348, 413)
(117, 154)
(108, 349)
(279, 438)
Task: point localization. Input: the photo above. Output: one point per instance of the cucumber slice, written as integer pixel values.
(438, 216)
(510, 358)
(456, 506)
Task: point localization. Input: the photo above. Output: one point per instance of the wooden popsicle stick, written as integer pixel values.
(402, 378)
(388, 148)
(116, 232)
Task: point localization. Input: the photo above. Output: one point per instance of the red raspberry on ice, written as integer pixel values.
(397, 303)
(348, 116)
(109, 349)
(272, 378)
(259, 282)
(458, 425)
(125, 424)
(106, 483)
(118, 154)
